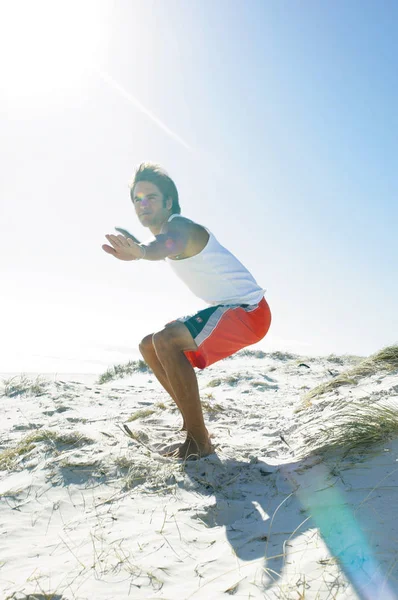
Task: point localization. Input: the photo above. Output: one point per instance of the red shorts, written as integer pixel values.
(220, 331)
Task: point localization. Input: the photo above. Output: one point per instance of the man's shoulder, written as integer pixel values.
(180, 223)
(193, 236)
(179, 220)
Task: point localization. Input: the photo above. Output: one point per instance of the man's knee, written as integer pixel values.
(174, 336)
(146, 344)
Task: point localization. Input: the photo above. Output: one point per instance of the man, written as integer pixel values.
(238, 314)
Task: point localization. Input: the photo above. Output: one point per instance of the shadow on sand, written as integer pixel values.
(274, 513)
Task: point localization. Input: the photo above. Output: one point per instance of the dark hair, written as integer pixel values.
(158, 176)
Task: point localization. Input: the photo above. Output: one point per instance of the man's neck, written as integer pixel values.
(156, 229)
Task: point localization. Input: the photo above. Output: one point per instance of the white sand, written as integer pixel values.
(110, 518)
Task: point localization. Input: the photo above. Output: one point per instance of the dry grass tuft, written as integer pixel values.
(161, 405)
(35, 596)
(121, 371)
(253, 353)
(383, 361)
(161, 478)
(261, 354)
(342, 360)
(21, 384)
(141, 414)
(122, 462)
(212, 408)
(9, 456)
(214, 382)
(231, 380)
(354, 427)
(283, 356)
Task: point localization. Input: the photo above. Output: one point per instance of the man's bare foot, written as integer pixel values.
(191, 450)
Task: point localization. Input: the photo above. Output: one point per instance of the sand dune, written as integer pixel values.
(283, 509)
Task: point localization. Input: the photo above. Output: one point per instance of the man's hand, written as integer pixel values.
(123, 248)
(127, 234)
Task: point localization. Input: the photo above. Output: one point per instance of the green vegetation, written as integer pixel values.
(141, 414)
(383, 361)
(161, 405)
(352, 424)
(230, 380)
(141, 472)
(9, 456)
(354, 427)
(20, 384)
(212, 408)
(341, 360)
(283, 356)
(252, 353)
(214, 382)
(36, 596)
(120, 371)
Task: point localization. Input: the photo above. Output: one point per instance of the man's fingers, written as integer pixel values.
(114, 240)
(121, 247)
(109, 249)
(122, 240)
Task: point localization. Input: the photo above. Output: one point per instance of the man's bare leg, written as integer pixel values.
(169, 345)
(148, 352)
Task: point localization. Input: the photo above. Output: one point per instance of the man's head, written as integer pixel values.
(152, 189)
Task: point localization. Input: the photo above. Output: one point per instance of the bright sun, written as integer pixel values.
(47, 45)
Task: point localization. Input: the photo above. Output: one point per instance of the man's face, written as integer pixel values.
(149, 205)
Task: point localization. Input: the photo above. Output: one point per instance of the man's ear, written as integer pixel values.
(169, 202)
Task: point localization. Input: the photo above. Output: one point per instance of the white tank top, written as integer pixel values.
(216, 276)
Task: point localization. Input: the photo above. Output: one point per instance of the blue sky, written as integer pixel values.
(277, 121)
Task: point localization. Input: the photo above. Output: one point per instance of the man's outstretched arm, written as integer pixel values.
(171, 242)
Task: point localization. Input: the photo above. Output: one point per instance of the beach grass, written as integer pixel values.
(231, 380)
(212, 408)
(35, 596)
(283, 356)
(386, 360)
(162, 479)
(342, 360)
(121, 371)
(277, 355)
(161, 405)
(214, 382)
(141, 414)
(21, 384)
(355, 427)
(10, 456)
(252, 353)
